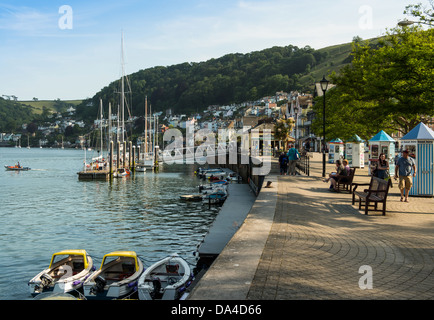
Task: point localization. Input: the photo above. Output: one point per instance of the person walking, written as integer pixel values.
(293, 156)
(404, 168)
(283, 161)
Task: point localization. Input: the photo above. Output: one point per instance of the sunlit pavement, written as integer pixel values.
(301, 241)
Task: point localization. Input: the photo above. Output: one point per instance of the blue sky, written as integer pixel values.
(50, 53)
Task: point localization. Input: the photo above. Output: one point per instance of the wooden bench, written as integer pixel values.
(345, 183)
(376, 193)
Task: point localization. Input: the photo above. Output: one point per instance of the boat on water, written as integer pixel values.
(217, 196)
(121, 172)
(17, 167)
(66, 273)
(140, 168)
(201, 173)
(191, 197)
(117, 277)
(166, 279)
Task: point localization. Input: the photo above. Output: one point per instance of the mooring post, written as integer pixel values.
(111, 160)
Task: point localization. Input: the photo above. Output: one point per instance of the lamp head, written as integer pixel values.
(324, 84)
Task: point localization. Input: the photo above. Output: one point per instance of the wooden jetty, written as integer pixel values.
(94, 175)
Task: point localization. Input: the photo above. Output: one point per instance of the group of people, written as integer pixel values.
(405, 170)
(288, 161)
(342, 170)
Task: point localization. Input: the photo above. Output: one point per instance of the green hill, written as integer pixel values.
(52, 105)
(233, 78)
(192, 87)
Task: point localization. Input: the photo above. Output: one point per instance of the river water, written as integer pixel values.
(47, 209)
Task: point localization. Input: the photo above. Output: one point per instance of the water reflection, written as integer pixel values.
(48, 209)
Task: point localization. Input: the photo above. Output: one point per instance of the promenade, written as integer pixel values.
(303, 242)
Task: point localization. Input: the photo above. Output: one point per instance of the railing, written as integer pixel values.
(303, 164)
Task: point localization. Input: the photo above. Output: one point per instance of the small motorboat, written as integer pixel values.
(66, 274)
(17, 167)
(117, 277)
(191, 197)
(206, 173)
(216, 197)
(121, 172)
(166, 279)
(140, 168)
(205, 188)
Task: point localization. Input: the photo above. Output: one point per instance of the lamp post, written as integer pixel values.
(406, 23)
(296, 121)
(324, 84)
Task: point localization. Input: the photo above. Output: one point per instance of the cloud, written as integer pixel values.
(26, 20)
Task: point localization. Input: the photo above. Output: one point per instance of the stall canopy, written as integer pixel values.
(420, 132)
(382, 136)
(420, 143)
(355, 138)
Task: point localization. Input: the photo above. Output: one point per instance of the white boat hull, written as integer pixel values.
(157, 283)
(43, 282)
(97, 287)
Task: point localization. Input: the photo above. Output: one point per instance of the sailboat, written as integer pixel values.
(149, 158)
(97, 169)
(118, 160)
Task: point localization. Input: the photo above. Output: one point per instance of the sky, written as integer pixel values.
(66, 49)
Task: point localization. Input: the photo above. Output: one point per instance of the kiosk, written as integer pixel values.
(355, 152)
(336, 150)
(382, 143)
(420, 144)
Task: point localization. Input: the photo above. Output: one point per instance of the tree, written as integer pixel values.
(425, 14)
(283, 128)
(389, 85)
(32, 127)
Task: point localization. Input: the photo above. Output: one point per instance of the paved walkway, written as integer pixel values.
(301, 241)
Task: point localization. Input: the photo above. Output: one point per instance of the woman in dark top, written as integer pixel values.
(382, 167)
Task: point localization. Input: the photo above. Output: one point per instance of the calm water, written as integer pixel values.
(48, 209)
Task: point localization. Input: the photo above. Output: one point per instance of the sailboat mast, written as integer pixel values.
(146, 125)
(122, 89)
(150, 128)
(110, 123)
(100, 125)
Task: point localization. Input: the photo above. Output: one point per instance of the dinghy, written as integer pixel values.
(191, 197)
(17, 167)
(217, 196)
(117, 277)
(166, 279)
(66, 274)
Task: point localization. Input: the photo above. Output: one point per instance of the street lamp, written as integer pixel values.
(406, 23)
(296, 121)
(324, 84)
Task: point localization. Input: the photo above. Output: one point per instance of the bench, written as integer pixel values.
(345, 183)
(376, 193)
